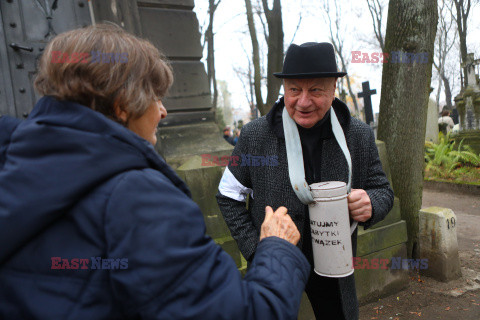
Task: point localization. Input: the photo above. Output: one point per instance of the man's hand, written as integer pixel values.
(359, 205)
(279, 224)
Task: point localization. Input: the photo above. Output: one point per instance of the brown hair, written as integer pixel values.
(445, 113)
(131, 84)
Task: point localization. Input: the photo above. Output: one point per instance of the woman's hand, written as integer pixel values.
(279, 224)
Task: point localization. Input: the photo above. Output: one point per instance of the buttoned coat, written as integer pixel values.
(269, 185)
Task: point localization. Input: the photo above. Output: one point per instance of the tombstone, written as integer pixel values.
(366, 94)
(468, 106)
(431, 132)
(454, 116)
(385, 240)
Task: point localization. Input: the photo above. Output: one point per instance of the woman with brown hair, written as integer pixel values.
(95, 225)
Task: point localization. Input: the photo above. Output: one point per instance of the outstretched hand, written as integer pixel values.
(279, 224)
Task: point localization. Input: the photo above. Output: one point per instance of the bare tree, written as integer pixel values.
(443, 45)
(338, 41)
(275, 49)
(257, 77)
(209, 38)
(274, 39)
(403, 103)
(376, 12)
(461, 16)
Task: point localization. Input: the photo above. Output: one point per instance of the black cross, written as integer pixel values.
(366, 94)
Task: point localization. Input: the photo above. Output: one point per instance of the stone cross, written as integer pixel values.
(470, 64)
(367, 101)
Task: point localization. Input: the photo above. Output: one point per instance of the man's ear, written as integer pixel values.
(119, 112)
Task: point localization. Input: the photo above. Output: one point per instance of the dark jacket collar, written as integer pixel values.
(274, 117)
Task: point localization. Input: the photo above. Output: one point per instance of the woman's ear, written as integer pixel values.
(120, 113)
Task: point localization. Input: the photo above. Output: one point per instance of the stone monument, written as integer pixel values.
(468, 106)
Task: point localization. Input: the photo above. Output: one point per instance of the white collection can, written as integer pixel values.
(330, 229)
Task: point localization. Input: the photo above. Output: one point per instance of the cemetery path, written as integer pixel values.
(426, 298)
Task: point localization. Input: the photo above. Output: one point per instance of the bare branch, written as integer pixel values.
(259, 13)
(255, 55)
(296, 29)
(376, 12)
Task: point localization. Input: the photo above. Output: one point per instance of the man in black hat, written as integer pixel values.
(309, 74)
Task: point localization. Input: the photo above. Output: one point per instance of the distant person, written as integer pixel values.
(445, 122)
(93, 222)
(227, 135)
(236, 135)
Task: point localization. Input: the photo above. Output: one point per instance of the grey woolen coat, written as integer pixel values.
(269, 181)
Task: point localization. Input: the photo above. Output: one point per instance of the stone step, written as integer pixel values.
(373, 240)
(375, 283)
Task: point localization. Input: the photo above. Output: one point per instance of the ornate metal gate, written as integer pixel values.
(25, 28)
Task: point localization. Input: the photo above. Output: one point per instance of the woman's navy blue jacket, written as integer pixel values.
(95, 225)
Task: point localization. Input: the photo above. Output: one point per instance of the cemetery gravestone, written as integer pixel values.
(431, 132)
(468, 106)
(366, 94)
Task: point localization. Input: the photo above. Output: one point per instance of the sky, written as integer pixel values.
(303, 22)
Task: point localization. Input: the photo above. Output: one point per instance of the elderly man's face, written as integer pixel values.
(307, 100)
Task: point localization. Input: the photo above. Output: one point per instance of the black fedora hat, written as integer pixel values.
(310, 60)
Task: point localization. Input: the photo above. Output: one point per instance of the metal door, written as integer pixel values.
(25, 28)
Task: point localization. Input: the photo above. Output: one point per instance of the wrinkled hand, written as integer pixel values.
(359, 205)
(279, 224)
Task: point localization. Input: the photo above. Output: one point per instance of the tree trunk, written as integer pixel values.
(376, 12)
(411, 27)
(257, 78)
(212, 80)
(461, 19)
(275, 52)
(448, 92)
(443, 45)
